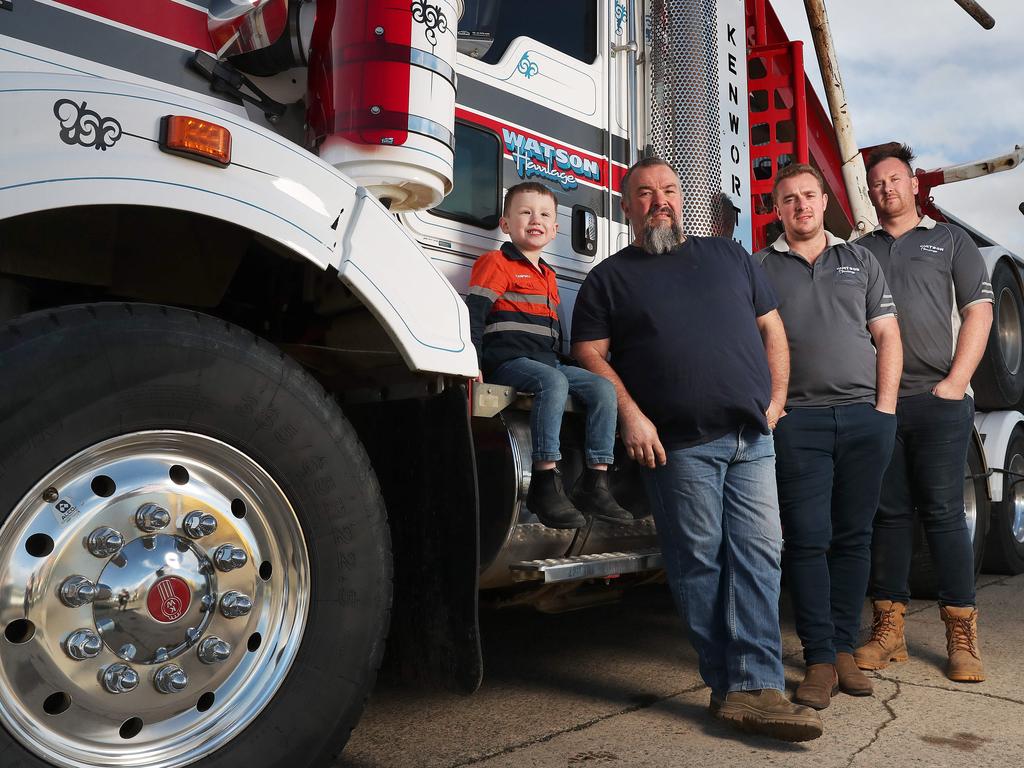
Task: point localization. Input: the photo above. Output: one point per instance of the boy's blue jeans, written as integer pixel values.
(551, 385)
(717, 514)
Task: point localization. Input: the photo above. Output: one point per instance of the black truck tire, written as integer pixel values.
(923, 581)
(998, 382)
(132, 417)
(1004, 550)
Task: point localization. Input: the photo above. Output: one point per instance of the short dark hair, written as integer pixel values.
(796, 169)
(647, 162)
(893, 149)
(526, 186)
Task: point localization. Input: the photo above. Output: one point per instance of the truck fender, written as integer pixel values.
(74, 140)
(994, 429)
(992, 254)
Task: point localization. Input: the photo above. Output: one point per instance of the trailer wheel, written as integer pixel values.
(194, 554)
(923, 581)
(1004, 550)
(998, 382)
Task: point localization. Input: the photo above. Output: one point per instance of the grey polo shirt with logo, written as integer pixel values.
(826, 308)
(935, 271)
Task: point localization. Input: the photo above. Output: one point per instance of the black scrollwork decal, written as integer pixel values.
(432, 16)
(79, 125)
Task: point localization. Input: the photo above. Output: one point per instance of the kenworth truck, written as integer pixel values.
(240, 441)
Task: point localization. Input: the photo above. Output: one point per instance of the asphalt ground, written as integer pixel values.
(617, 686)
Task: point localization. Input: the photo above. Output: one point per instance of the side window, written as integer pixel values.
(476, 191)
(569, 26)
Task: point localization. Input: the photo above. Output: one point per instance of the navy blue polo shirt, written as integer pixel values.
(683, 335)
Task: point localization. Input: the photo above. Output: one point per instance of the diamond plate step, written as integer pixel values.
(582, 567)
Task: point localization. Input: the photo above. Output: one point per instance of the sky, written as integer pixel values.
(924, 72)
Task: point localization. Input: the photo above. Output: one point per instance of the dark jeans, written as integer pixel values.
(829, 464)
(927, 475)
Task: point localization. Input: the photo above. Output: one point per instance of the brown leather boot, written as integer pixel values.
(818, 687)
(768, 713)
(852, 681)
(887, 642)
(964, 664)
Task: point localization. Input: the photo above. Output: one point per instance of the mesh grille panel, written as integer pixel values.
(685, 115)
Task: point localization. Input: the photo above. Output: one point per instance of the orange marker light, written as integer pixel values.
(196, 139)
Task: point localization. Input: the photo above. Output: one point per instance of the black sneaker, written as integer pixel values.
(592, 494)
(547, 500)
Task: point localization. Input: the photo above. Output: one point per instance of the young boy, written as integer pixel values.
(513, 301)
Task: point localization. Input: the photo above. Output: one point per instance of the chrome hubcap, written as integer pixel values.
(1009, 330)
(1017, 498)
(970, 505)
(151, 596)
(105, 590)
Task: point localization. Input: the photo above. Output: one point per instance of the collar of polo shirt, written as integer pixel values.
(926, 222)
(782, 245)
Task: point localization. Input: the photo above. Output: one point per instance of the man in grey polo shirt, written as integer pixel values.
(833, 446)
(939, 281)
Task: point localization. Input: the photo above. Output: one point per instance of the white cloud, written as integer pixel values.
(924, 72)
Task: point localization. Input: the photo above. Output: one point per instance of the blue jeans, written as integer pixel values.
(926, 474)
(829, 466)
(717, 514)
(551, 385)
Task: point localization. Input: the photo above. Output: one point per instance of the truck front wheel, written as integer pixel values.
(1004, 551)
(194, 555)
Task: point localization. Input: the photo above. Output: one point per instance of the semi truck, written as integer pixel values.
(241, 441)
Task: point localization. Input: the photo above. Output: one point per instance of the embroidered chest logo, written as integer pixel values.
(932, 248)
(847, 271)
(522, 277)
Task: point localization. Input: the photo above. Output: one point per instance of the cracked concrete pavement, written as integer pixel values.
(617, 686)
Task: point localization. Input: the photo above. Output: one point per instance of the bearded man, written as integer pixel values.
(700, 364)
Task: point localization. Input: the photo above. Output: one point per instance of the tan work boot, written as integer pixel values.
(769, 713)
(819, 685)
(852, 681)
(887, 642)
(964, 664)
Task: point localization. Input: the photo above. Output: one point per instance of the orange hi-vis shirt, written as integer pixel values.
(513, 309)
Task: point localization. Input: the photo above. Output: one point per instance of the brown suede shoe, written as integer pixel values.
(769, 713)
(887, 642)
(852, 681)
(818, 687)
(964, 664)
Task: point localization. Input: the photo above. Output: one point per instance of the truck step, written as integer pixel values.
(582, 567)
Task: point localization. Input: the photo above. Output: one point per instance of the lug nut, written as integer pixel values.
(120, 678)
(104, 542)
(235, 604)
(170, 679)
(150, 518)
(76, 591)
(197, 524)
(213, 650)
(127, 651)
(227, 557)
(83, 644)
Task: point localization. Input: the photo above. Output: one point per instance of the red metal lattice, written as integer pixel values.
(778, 124)
(781, 96)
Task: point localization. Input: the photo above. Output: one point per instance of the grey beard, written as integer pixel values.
(663, 238)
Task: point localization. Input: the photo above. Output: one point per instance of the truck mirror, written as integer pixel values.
(476, 27)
